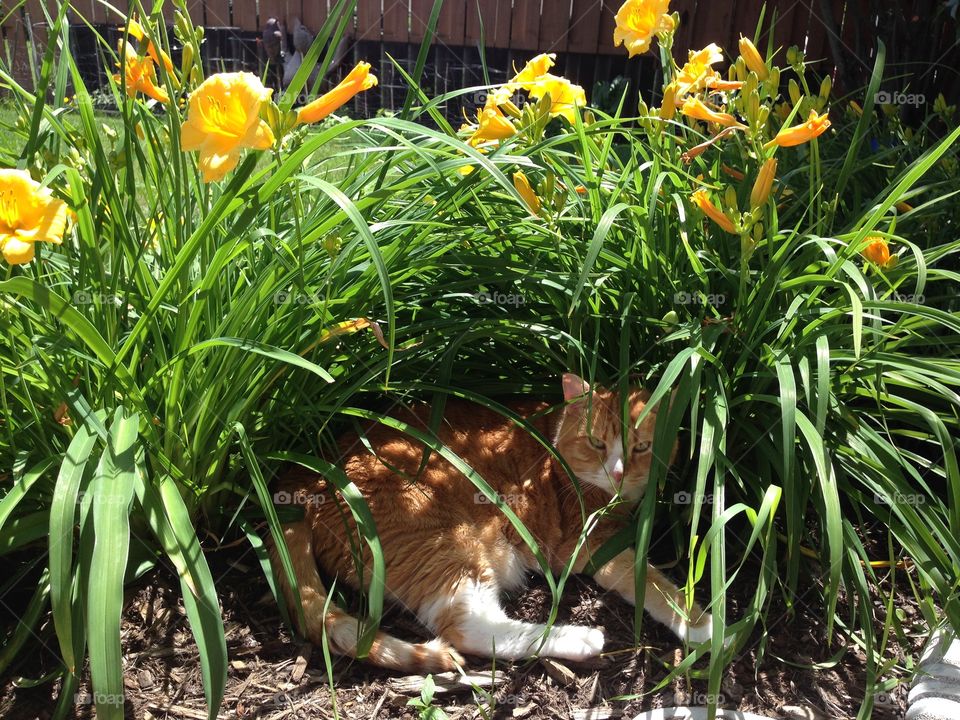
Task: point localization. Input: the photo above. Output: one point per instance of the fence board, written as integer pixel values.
(495, 15)
(39, 29)
(396, 16)
(452, 23)
(783, 29)
(98, 13)
(525, 26)
(745, 21)
(282, 10)
(584, 26)
(824, 26)
(314, 14)
(712, 22)
(555, 29)
(683, 39)
(16, 43)
(419, 17)
(245, 14)
(368, 19)
(608, 22)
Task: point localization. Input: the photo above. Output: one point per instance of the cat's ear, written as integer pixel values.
(574, 386)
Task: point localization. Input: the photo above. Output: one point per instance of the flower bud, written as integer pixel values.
(763, 184)
(751, 56)
(825, 88)
(794, 91)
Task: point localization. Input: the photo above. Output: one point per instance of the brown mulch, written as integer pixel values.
(272, 676)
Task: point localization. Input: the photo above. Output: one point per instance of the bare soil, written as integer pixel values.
(274, 676)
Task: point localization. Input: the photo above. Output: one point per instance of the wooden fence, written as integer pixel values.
(841, 35)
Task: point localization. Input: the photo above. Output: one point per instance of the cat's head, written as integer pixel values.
(590, 438)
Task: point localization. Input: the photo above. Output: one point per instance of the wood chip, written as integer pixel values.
(560, 673)
(596, 714)
(446, 682)
(179, 711)
(300, 665)
(522, 712)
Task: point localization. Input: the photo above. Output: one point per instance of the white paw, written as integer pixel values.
(573, 642)
(699, 633)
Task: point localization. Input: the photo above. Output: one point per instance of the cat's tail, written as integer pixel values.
(341, 631)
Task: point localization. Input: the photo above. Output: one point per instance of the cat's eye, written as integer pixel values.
(642, 447)
(597, 443)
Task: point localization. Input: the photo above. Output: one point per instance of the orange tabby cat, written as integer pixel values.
(449, 553)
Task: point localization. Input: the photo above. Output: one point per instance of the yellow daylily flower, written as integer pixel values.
(492, 125)
(702, 201)
(698, 73)
(763, 184)
(139, 75)
(878, 252)
(564, 95)
(815, 126)
(28, 214)
(223, 117)
(135, 30)
(694, 107)
(638, 21)
(534, 70)
(530, 199)
(751, 56)
(358, 80)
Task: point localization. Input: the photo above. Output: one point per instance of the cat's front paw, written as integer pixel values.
(699, 633)
(573, 642)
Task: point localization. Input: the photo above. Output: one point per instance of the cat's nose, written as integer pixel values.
(617, 472)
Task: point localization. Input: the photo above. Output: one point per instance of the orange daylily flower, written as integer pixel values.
(139, 75)
(878, 252)
(358, 80)
(223, 117)
(815, 126)
(135, 30)
(702, 200)
(28, 214)
(638, 21)
(694, 107)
